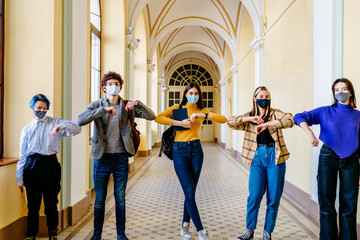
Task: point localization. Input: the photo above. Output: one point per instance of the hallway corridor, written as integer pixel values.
(154, 203)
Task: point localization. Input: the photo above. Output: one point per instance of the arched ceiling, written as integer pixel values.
(206, 26)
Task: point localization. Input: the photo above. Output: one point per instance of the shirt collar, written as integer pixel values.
(44, 119)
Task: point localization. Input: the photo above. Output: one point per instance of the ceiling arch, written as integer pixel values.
(191, 47)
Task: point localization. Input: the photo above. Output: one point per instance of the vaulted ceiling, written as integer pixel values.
(176, 29)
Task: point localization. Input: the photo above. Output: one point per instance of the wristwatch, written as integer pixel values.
(206, 115)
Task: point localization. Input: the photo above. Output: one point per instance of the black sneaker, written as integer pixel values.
(266, 236)
(248, 235)
(53, 237)
(30, 238)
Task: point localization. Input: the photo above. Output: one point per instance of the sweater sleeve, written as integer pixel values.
(310, 117)
(165, 116)
(216, 117)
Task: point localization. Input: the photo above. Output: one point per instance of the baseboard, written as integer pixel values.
(15, 230)
(144, 153)
(303, 199)
(79, 209)
(156, 145)
(223, 145)
(67, 217)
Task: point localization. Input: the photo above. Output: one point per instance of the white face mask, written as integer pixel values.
(113, 90)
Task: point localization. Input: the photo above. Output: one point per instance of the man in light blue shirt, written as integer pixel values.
(38, 168)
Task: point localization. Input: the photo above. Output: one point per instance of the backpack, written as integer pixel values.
(167, 141)
(135, 132)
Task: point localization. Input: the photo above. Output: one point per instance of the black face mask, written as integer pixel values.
(39, 114)
(263, 103)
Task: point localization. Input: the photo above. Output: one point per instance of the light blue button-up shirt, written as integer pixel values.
(36, 138)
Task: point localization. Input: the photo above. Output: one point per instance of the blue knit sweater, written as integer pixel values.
(339, 126)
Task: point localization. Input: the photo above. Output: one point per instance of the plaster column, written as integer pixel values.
(235, 104)
(131, 45)
(258, 45)
(150, 69)
(223, 110)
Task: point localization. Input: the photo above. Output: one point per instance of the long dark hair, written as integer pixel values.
(255, 110)
(349, 87)
(188, 87)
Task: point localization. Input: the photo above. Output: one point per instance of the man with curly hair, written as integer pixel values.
(111, 146)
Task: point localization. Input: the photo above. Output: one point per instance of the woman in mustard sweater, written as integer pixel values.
(188, 154)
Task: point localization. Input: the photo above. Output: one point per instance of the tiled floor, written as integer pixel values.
(155, 200)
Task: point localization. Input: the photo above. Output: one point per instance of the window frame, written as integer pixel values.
(2, 80)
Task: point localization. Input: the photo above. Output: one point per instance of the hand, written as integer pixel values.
(260, 128)
(55, 131)
(130, 105)
(195, 116)
(314, 141)
(21, 188)
(186, 123)
(257, 120)
(110, 110)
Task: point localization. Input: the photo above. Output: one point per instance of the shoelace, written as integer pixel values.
(247, 235)
(267, 235)
(54, 238)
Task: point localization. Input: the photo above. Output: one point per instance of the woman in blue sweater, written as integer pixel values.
(339, 156)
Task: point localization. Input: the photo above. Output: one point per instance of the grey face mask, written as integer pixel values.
(39, 114)
(342, 96)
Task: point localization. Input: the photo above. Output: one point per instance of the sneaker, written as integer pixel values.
(248, 235)
(54, 237)
(266, 236)
(184, 231)
(30, 238)
(203, 235)
(122, 237)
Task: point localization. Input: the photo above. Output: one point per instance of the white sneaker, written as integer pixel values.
(184, 231)
(203, 235)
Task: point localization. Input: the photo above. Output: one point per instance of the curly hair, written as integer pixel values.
(111, 75)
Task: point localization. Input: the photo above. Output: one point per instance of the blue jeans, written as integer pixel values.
(117, 165)
(188, 160)
(265, 176)
(330, 166)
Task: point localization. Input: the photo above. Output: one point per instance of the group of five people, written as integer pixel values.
(264, 150)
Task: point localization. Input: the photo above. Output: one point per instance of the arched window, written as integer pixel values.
(191, 73)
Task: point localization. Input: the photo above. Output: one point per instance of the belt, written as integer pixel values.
(267, 145)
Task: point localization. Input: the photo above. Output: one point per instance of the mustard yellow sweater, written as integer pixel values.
(193, 132)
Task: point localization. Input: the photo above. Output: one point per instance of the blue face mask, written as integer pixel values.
(113, 90)
(39, 114)
(192, 99)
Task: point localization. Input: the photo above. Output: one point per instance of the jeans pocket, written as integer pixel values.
(177, 146)
(325, 151)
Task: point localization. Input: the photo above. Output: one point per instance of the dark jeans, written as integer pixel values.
(42, 175)
(330, 167)
(117, 165)
(188, 160)
(265, 176)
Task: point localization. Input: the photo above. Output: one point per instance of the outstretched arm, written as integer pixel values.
(314, 141)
